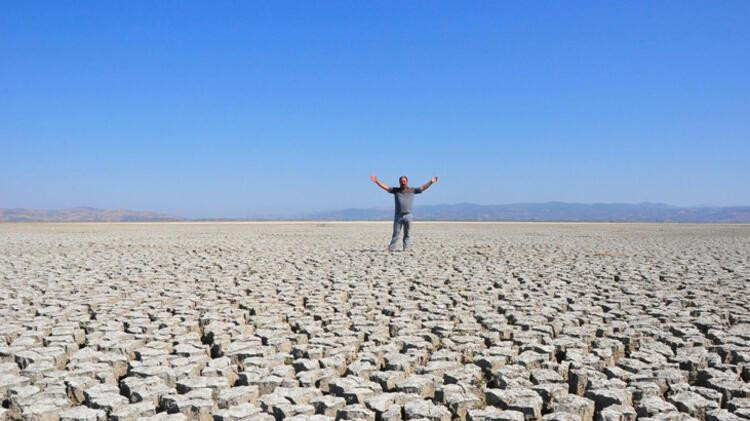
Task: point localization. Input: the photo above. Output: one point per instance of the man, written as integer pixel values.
(404, 196)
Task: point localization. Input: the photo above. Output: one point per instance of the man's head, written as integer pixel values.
(403, 181)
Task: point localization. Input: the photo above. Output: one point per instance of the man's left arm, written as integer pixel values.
(427, 185)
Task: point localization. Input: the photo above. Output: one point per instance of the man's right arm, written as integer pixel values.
(380, 183)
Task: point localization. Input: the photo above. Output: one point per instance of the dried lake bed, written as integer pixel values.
(318, 322)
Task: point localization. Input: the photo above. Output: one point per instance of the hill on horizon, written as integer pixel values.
(82, 214)
(546, 211)
(554, 211)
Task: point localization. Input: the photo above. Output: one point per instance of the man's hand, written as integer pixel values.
(383, 186)
(427, 185)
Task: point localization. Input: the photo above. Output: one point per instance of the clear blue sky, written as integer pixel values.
(240, 109)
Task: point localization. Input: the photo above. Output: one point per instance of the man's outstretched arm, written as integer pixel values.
(380, 183)
(427, 185)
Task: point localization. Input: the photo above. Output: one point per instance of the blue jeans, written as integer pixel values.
(398, 221)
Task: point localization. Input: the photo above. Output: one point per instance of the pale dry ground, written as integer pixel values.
(316, 321)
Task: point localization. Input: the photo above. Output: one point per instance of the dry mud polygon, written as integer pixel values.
(317, 321)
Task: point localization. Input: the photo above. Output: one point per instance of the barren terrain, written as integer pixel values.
(316, 322)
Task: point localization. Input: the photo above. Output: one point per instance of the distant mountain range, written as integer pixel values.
(81, 214)
(548, 211)
(553, 211)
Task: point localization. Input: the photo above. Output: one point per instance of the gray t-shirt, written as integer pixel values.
(404, 198)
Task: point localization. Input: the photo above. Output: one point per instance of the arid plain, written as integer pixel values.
(318, 322)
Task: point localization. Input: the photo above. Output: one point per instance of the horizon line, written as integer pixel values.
(694, 206)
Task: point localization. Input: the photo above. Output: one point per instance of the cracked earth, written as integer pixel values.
(318, 322)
